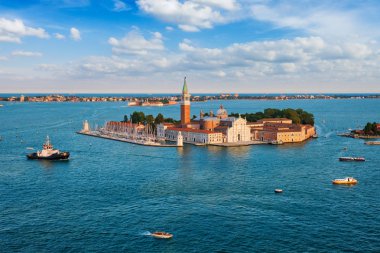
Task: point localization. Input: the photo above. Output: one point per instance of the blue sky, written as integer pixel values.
(148, 46)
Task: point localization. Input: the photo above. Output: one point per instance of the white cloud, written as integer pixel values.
(220, 73)
(48, 67)
(191, 15)
(59, 36)
(75, 34)
(224, 4)
(14, 30)
(298, 59)
(120, 6)
(3, 58)
(333, 21)
(26, 54)
(135, 43)
(169, 28)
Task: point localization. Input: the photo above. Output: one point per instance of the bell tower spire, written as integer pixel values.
(185, 105)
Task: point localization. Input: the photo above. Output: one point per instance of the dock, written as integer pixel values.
(136, 142)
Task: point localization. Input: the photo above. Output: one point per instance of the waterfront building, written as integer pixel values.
(152, 103)
(194, 136)
(281, 130)
(22, 98)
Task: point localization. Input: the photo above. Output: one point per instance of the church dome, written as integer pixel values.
(221, 111)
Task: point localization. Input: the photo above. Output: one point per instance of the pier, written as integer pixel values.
(123, 139)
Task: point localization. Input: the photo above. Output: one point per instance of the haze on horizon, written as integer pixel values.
(148, 46)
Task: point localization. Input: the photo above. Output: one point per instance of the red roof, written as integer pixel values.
(191, 130)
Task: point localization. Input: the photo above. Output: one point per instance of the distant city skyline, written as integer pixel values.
(221, 46)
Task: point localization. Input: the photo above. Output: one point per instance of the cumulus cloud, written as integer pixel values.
(135, 43)
(298, 59)
(59, 36)
(3, 58)
(301, 57)
(191, 15)
(26, 54)
(14, 30)
(75, 34)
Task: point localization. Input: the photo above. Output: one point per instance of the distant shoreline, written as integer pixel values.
(177, 98)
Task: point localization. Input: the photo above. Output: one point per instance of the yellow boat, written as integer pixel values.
(347, 180)
(162, 235)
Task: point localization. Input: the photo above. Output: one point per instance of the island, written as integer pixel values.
(273, 126)
(370, 131)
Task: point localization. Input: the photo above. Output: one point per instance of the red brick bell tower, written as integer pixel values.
(185, 105)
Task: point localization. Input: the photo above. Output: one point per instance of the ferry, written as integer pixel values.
(351, 159)
(48, 153)
(162, 235)
(347, 181)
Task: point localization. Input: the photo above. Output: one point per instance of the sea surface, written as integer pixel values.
(110, 195)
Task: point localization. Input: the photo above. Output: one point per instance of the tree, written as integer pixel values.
(170, 120)
(194, 117)
(306, 118)
(293, 115)
(138, 117)
(149, 119)
(368, 128)
(159, 119)
(272, 113)
(125, 118)
(374, 127)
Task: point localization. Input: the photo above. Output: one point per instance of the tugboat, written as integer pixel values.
(48, 153)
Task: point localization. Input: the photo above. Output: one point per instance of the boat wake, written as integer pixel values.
(146, 233)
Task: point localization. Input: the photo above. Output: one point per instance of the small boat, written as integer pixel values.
(278, 190)
(372, 143)
(315, 136)
(48, 153)
(162, 235)
(347, 180)
(351, 159)
(276, 142)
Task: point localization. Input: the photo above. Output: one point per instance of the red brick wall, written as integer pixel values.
(185, 114)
